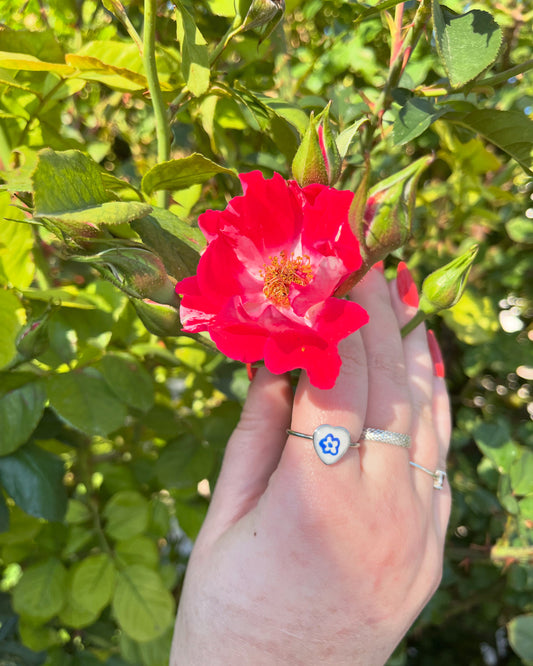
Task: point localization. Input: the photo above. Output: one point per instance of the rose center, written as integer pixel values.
(281, 273)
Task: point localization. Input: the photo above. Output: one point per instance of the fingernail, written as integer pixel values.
(380, 266)
(406, 286)
(436, 355)
(251, 371)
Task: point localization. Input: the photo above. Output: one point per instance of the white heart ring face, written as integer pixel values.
(331, 443)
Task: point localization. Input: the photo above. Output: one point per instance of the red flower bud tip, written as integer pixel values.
(379, 266)
(406, 286)
(436, 355)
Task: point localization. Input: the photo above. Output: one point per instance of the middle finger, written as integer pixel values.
(389, 401)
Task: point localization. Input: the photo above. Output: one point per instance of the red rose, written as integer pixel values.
(265, 283)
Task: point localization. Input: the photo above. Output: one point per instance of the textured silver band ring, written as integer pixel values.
(438, 475)
(386, 436)
(330, 442)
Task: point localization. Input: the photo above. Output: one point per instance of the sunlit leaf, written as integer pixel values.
(144, 608)
(194, 54)
(181, 173)
(468, 44)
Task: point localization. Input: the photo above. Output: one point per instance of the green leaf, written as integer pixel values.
(191, 515)
(144, 608)
(473, 319)
(370, 12)
(138, 550)
(4, 513)
(414, 119)
(128, 380)
(34, 479)
(525, 507)
(494, 440)
(9, 325)
(90, 586)
(83, 400)
(22, 529)
(29, 63)
(194, 54)
(522, 474)
(345, 138)
(116, 64)
(92, 583)
(467, 44)
(181, 173)
(292, 114)
(127, 514)
(74, 614)
(511, 131)
(10, 380)
(184, 462)
(20, 412)
(68, 188)
(19, 179)
(40, 593)
(174, 241)
(520, 230)
(39, 43)
(118, 78)
(222, 7)
(16, 245)
(520, 632)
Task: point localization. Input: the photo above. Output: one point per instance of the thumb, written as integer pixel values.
(253, 451)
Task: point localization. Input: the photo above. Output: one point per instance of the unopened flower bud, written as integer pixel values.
(264, 14)
(160, 319)
(137, 271)
(388, 212)
(444, 287)
(317, 159)
(32, 341)
(381, 217)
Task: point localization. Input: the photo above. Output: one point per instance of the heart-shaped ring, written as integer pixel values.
(330, 442)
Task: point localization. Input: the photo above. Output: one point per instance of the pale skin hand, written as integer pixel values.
(303, 563)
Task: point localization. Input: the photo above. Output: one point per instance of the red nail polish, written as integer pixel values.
(436, 355)
(406, 286)
(251, 371)
(380, 266)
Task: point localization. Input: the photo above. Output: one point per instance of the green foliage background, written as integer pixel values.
(112, 424)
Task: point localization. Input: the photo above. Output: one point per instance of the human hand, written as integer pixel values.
(304, 563)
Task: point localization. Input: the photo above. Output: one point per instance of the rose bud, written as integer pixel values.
(33, 340)
(264, 14)
(137, 271)
(160, 319)
(388, 212)
(381, 217)
(444, 287)
(317, 159)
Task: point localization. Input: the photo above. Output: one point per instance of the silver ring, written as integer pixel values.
(330, 442)
(438, 475)
(386, 436)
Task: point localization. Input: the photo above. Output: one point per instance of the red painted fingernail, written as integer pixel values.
(251, 371)
(436, 355)
(406, 286)
(380, 266)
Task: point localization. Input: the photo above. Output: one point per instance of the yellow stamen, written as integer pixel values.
(281, 273)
